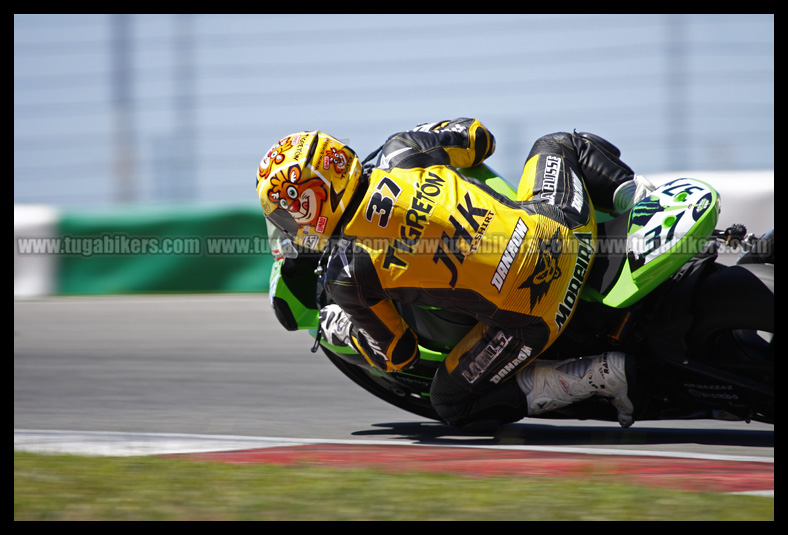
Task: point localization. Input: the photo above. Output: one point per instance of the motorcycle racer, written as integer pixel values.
(414, 229)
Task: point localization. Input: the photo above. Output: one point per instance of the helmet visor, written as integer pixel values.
(283, 220)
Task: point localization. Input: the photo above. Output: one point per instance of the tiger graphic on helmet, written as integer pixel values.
(275, 156)
(297, 177)
(303, 199)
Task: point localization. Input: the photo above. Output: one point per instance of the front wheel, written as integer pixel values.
(407, 392)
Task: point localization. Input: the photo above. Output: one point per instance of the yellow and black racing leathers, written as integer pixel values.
(424, 233)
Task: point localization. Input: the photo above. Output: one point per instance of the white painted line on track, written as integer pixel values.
(124, 444)
(120, 444)
(762, 493)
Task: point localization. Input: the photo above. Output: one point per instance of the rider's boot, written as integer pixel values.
(552, 385)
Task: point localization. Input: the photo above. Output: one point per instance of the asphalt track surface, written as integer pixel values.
(220, 368)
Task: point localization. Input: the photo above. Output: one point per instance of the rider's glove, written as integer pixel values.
(335, 325)
(630, 193)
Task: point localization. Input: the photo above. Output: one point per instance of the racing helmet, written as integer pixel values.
(305, 183)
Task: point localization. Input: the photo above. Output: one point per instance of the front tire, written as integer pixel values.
(409, 396)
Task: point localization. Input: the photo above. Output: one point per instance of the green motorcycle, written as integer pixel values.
(702, 333)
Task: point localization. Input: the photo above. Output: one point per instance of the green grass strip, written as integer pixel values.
(67, 487)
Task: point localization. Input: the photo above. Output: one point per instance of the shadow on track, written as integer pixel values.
(530, 434)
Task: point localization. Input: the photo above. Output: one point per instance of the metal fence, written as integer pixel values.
(133, 109)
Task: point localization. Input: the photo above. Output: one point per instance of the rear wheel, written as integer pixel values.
(733, 331)
(730, 307)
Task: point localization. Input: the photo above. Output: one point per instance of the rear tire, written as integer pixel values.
(733, 332)
(733, 298)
